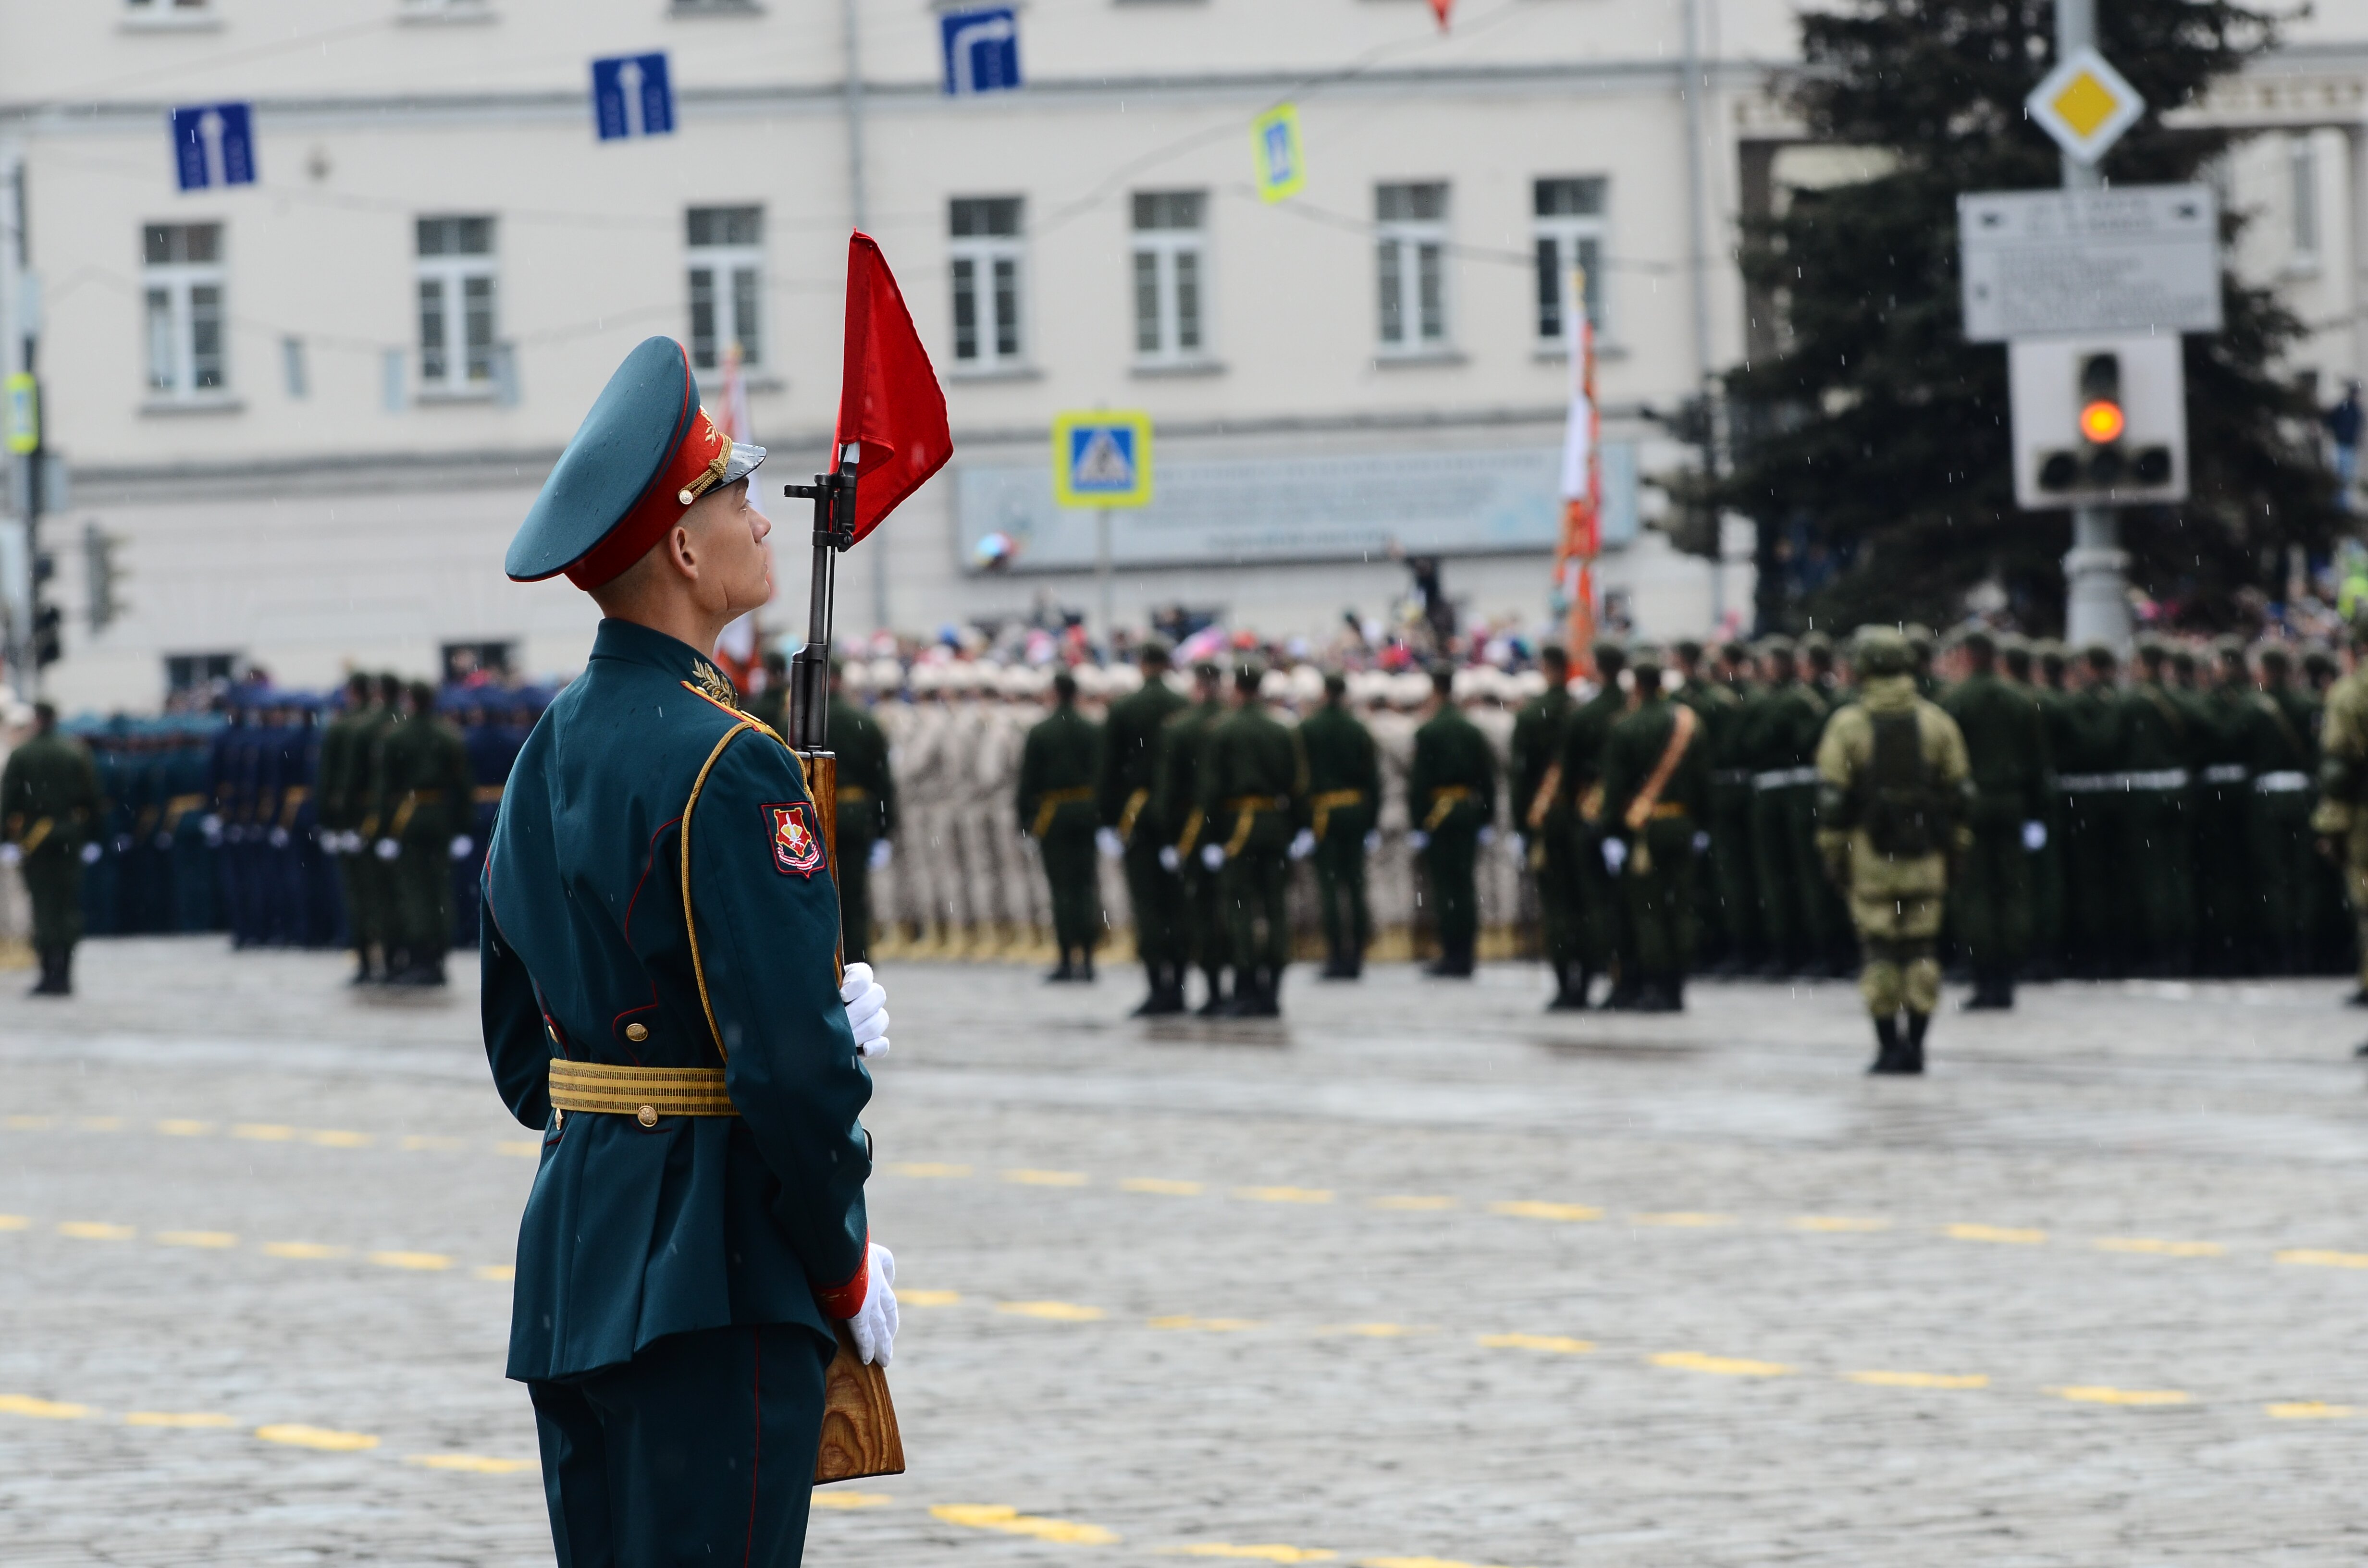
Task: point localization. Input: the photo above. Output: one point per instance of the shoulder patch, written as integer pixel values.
(797, 847)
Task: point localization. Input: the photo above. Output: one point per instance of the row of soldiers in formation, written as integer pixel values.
(286, 821)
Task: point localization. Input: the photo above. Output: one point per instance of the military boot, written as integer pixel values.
(1887, 1055)
(1912, 1048)
(1160, 1000)
(65, 972)
(1066, 972)
(1454, 963)
(1216, 1005)
(1571, 984)
(47, 985)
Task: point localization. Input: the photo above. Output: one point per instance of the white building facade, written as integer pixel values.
(303, 415)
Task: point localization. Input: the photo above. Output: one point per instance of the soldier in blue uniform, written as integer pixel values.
(662, 1000)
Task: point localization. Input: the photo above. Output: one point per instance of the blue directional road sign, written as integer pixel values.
(1102, 459)
(632, 95)
(213, 144)
(982, 51)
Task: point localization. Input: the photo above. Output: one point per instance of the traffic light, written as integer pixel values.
(102, 577)
(2098, 424)
(48, 629)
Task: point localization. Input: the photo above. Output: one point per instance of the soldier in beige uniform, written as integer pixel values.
(2341, 819)
(1395, 717)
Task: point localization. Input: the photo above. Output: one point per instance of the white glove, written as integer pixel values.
(2034, 836)
(1373, 841)
(1170, 858)
(1615, 855)
(1303, 844)
(1417, 839)
(279, 838)
(867, 1010)
(1517, 847)
(874, 1327)
(1106, 840)
(11, 854)
(90, 854)
(1701, 842)
(212, 826)
(1213, 856)
(388, 849)
(882, 853)
(461, 845)
(1487, 832)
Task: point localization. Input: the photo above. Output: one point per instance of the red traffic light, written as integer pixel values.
(2101, 420)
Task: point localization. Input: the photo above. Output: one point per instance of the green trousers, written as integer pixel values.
(1157, 895)
(421, 878)
(2093, 895)
(1990, 898)
(1600, 906)
(2286, 881)
(1252, 885)
(1451, 862)
(1657, 886)
(1208, 945)
(1800, 915)
(1068, 850)
(1733, 870)
(2223, 857)
(2158, 858)
(1554, 856)
(1340, 884)
(53, 882)
(851, 868)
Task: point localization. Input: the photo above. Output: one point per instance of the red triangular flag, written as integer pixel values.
(1440, 8)
(889, 400)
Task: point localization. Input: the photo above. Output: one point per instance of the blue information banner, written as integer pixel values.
(982, 51)
(632, 95)
(213, 144)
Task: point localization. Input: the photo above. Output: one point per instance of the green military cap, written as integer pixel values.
(1207, 670)
(642, 455)
(2273, 656)
(1975, 639)
(1919, 635)
(1737, 649)
(1335, 683)
(2150, 647)
(2227, 648)
(1813, 642)
(1611, 653)
(1882, 651)
(1775, 645)
(2100, 654)
(1248, 673)
(1155, 651)
(1689, 649)
(2317, 657)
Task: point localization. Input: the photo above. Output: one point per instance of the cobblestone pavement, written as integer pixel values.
(1419, 1276)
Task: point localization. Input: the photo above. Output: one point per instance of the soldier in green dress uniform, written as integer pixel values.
(2037, 667)
(1130, 833)
(2281, 756)
(866, 814)
(342, 767)
(1599, 906)
(1655, 803)
(49, 807)
(1058, 765)
(1254, 784)
(2006, 739)
(1344, 800)
(2085, 742)
(1719, 930)
(1208, 942)
(1893, 788)
(1780, 743)
(1542, 817)
(661, 1002)
(2226, 908)
(1451, 803)
(1734, 862)
(2160, 736)
(426, 805)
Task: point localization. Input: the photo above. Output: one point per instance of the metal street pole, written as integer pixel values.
(859, 208)
(2096, 568)
(1102, 573)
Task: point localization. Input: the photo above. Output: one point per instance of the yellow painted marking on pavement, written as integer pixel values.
(94, 1231)
(45, 1409)
(414, 1142)
(1682, 1221)
(1414, 1203)
(1836, 1223)
(475, 1464)
(327, 1439)
(1378, 1330)
(497, 1271)
(263, 1131)
(1206, 1325)
(302, 1249)
(1057, 1312)
(928, 1297)
(2093, 1394)
(1284, 1194)
(197, 1239)
(181, 1127)
(421, 1260)
(2160, 1247)
(851, 1500)
(32, 1124)
(1046, 1178)
(1528, 1209)
(1414, 1563)
(2307, 1410)
(99, 1123)
(929, 1170)
(1273, 1552)
(2010, 1235)
(1161, 1185)
(1011, 1521)
(1560, 1344)
(13, 1222)
(330, 1138)
(525, 1148)
(1921, 1380)
(190, 1420)
(2316, 1257)
(1724, 1366)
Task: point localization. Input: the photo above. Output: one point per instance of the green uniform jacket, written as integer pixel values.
(339, 801)
(1781, 726)
(1344, 769)
(2157, 730)
(2281, 729)
(1057, 768)
(1584, 737)
(1130, 755)
(1632, 752)
(1453, 778)
(867, 787)
(426, 792)
(1253, 781)
(2006, 744)
(1176, 800)
(658, 867)
(1540, 730)
(49, 797)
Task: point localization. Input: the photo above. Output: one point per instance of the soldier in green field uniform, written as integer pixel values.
(866, 813)
(1344, 800)
(2226, 908)
(1058, 765)
(425, 807)
(1254, 799)
(1718, 932)
(1176, 802)
(1781, 726)
(1893, 786)
(2038, 669)
(1130, 830)
(2341, 818)
(2281, 755)
(1541, 816)
(1452, 805)
(1656, 800)
(1733, 857)
(2159, 738)
(373, 878)
(2087, 747)
(49, 803)
(1598, 908)
(2006, 740)
(343, 770)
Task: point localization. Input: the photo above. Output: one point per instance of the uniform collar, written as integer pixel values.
(634, 644)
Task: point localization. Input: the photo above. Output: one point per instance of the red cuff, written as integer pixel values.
(846, 1301)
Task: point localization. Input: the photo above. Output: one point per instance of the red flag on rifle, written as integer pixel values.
(1440, 8)
(889, 400)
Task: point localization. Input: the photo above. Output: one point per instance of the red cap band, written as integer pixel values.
(661, 506)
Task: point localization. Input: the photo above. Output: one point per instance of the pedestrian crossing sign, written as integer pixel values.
(1102, 459)
(1281, 163)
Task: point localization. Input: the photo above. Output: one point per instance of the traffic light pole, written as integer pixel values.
(2096, 568)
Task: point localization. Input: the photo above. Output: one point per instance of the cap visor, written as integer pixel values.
(745, 456)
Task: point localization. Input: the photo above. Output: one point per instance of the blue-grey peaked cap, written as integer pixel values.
(639, 419)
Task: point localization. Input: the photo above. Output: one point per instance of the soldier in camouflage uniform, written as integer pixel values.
(1131, 829)
(2340, 821)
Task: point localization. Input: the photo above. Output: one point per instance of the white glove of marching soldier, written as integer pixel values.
(1418, 840)
(388, 849)
(882, 851)
(1303, 844)
(11, 854)
(1168, 859)
(90, 854)
(1487, 834)
(2034, 836)
(874, 1324)
(461, 845)
(867, 1010)
(1106, 840)
(1213, 856)
(1615, 855)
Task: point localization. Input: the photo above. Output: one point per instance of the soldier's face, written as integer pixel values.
(727, 541)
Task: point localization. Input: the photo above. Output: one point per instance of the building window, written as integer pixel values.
(2302, 171)
(199, 672)
(1410, 246)
(1170, 275)
(727, 284)
(183, 284)
(988, 280)
(456, 304)
(165, 10)
(1569, 233)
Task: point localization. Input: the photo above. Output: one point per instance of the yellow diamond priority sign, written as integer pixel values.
(2085, 104)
